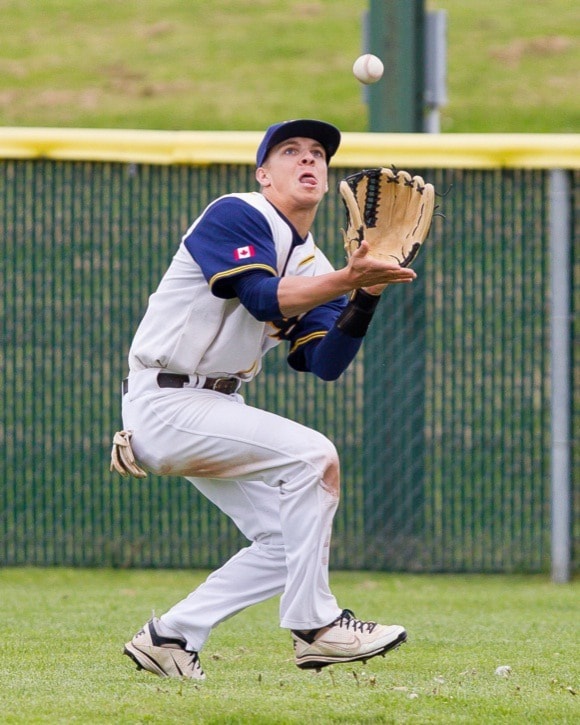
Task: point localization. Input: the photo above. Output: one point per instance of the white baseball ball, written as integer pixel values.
(368, 68)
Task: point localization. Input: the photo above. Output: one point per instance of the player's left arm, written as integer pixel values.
(323, 341)
(326, 340)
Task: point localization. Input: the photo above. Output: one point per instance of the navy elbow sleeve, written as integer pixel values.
(258, 292)
(330, 357)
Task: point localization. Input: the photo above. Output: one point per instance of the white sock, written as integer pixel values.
(165, 631)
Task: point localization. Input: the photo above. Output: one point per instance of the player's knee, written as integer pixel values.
(331, 477)
(327, 461)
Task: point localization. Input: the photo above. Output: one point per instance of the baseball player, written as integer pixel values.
(247, 276)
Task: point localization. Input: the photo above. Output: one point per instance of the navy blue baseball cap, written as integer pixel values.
(325, 133)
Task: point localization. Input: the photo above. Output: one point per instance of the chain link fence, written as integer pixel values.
(442, 422)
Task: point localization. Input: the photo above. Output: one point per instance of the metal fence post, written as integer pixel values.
(396, 35)
(560, 249)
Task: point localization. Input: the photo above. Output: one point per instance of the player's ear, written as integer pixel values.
(262, 176)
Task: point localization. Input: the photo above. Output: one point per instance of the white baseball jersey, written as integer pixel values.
(194, 324)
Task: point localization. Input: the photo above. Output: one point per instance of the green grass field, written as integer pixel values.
(234, 65)
(62, 633)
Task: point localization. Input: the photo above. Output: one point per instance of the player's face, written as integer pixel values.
(295, 173)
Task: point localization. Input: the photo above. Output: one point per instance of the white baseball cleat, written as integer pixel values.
(164, 656)
(347, 639)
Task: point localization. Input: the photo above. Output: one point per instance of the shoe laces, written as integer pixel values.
(194, 659)
(172, 643)
(193, 655)
(347, 620)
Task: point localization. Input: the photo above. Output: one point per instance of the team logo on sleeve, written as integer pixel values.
(244, 252)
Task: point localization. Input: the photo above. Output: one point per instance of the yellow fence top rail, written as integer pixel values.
(541, 151)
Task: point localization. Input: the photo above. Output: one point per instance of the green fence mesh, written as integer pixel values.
(443, 422)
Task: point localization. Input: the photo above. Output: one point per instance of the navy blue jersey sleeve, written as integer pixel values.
(231, 238)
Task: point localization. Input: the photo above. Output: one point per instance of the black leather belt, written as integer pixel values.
(227, 386)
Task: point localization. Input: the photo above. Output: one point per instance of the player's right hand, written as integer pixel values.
(370, 272)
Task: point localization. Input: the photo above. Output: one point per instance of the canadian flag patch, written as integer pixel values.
(244, 252)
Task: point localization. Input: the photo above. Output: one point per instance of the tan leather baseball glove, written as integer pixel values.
(390, 209)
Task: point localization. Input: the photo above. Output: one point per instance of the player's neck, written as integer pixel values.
(301, 217)
(301, 221)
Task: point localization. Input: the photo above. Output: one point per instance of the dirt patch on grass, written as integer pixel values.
(512, 53)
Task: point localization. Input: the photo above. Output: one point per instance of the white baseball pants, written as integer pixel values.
(276, 479)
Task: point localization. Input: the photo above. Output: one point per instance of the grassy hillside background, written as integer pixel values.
(237, 65)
